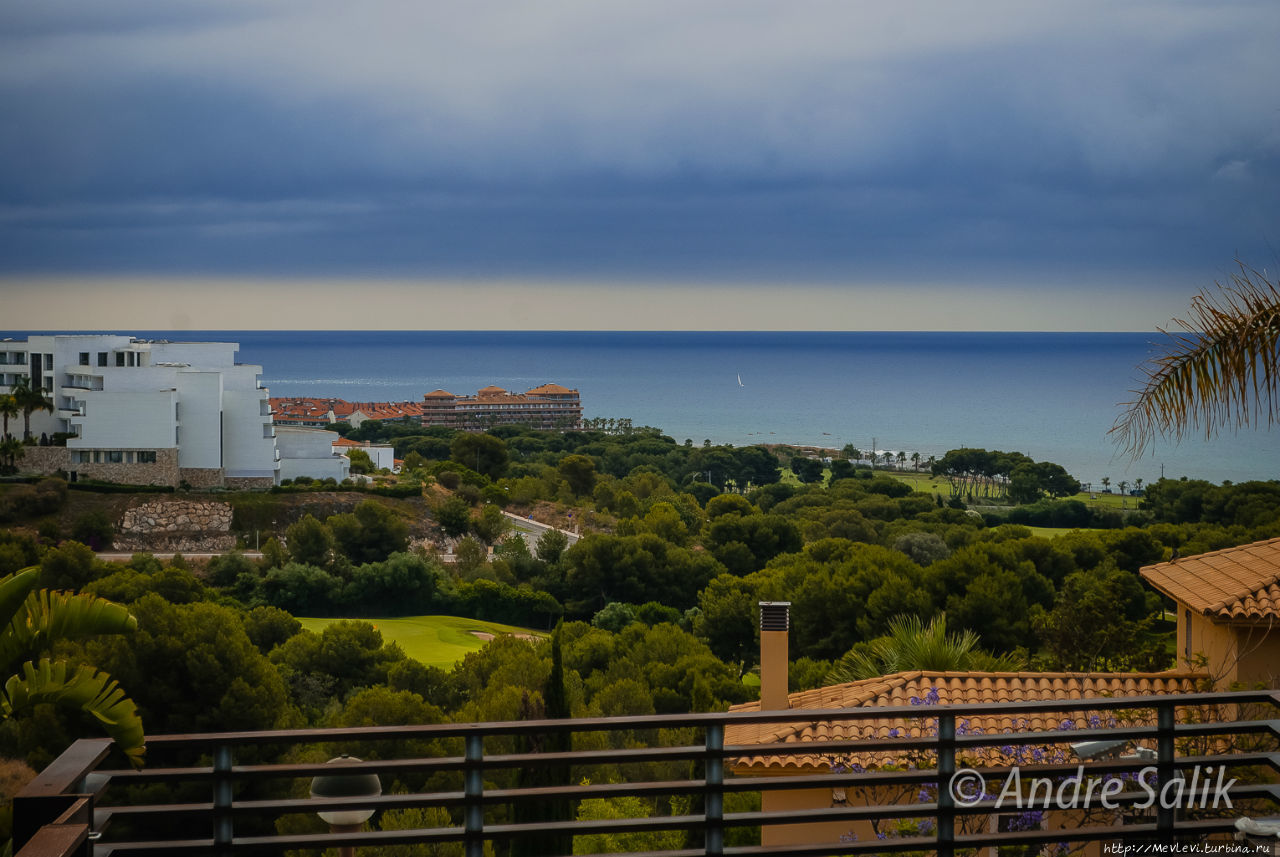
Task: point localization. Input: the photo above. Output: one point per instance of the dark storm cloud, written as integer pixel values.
(831, 140)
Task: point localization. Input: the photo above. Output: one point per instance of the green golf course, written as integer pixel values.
(437, 641)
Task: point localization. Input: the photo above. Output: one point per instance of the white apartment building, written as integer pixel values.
(145, 412)
(310, 452)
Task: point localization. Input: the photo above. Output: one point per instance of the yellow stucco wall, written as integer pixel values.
(1234, 654)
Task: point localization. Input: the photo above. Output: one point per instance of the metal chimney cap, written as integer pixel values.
(775, 615)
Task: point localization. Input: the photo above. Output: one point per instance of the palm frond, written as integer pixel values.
(912, 645)
(1219, 367)
(14, 589)
(82, 688)
(45, 616)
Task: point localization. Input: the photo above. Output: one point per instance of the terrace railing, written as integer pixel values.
(246, 792)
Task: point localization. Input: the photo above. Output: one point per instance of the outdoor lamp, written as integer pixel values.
(345, 785)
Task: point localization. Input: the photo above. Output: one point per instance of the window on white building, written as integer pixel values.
(102, 358)
(146, 456)
(84, 358)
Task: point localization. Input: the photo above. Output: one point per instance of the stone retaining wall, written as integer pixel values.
(201, 477)
(44, 460)
(249, 483)
(193, 526)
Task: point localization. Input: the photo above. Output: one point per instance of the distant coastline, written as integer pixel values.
(1052, 396)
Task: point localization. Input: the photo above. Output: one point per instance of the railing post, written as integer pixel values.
(473, 790)
(1164, 767)
(946, 770)
(222, 796)
(713, 800)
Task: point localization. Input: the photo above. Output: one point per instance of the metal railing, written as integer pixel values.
(232, 793)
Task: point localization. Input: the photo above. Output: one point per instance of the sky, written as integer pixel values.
(918, 165)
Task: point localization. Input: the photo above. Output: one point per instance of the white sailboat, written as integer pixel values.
(740, 384)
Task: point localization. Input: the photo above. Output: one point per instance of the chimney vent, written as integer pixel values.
(775, 615)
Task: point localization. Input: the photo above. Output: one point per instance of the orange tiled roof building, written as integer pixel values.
(898, 689)
(548, 407)
(1228, 604)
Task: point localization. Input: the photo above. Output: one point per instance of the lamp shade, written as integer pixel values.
(346, 785)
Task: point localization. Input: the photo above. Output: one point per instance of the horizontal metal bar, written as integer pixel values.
(669, 721)
(65, 773)
(55, 840)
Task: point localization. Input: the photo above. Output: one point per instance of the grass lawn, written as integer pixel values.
(437, 641)
(1050, 532)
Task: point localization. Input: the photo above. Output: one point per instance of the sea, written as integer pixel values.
(1052, 396)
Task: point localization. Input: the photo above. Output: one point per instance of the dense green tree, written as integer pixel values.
(192, 668)
(482, 452)
(371, 533)
(302, 590)
(579, 471)
(268, 627)
(454, 517)
(344, 656)
(551, 546)
(614, 616)
(224, 569)
(175, 585)
(1101, 620)
(491, 524)
(634, 569)
(310, 542)
(70, 566)
(766, 536)
(405, 584)
(726, 621)
(807, 470)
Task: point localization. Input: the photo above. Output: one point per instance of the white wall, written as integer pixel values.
(248, 443)
(126, 421)
(200, 418)
(309, 452)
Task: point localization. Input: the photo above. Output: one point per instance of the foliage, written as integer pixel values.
(454, 516)
(23, 502)
(192, 668)
(32, 622)
(1219, 369)
(370, 533)
(912, 645)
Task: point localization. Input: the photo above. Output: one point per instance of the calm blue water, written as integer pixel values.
(1050, 395)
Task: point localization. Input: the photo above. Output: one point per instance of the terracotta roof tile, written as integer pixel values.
(953, 688)
(1235, 584)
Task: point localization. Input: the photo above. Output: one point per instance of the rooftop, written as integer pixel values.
(932, 689)
(1234, 584)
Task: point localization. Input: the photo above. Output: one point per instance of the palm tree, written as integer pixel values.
(902, 458)
(8, 408)
(915, 461)
(912, 645)
(1137, 484)
(1219, 369)
(29, 399)
(31, 621)
(1106, 484)
(1123, 486)
(10, 449)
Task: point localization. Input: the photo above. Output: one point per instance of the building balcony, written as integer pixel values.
(82, 805)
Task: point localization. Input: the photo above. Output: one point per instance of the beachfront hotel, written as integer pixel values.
(144, 412)
(547, 407)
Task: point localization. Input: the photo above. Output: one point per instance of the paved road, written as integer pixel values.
(533, 530)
